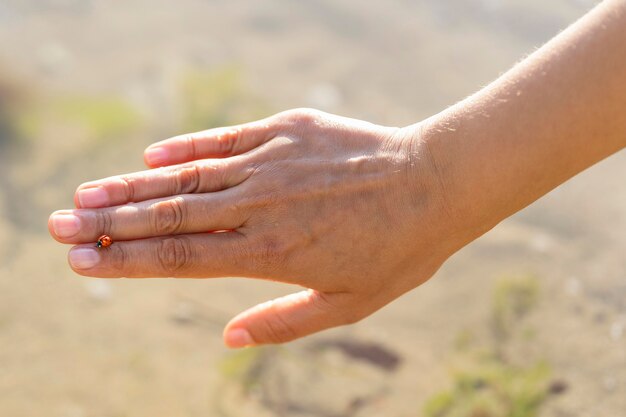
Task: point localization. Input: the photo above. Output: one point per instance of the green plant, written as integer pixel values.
(13, 97)
(491, 386)
(100, 118)
(493, 389)
(243, 365)
(513, 299)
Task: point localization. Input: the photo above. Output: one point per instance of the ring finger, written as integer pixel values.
(184, 256)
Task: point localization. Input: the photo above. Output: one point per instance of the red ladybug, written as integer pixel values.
(104, 241)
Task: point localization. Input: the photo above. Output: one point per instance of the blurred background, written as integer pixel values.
(530, 320)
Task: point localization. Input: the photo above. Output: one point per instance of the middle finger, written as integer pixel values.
(209, 175)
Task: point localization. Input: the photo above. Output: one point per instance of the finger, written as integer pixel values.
(182, 256)
(199, 177)
(188, 213)
(213, 143)
(288, 318)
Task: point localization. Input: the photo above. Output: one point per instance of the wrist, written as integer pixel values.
(435, 153)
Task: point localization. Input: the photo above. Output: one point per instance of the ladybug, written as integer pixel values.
(104, 241)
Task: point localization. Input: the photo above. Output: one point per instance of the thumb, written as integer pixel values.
(288, 318)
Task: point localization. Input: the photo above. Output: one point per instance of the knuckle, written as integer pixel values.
(168, 217)
(174, 255)
(118, 258)
(129, 184)
(104, 220)
(186, 179)
(302, 116)
(227, 142)
(278, 330)
(190, 141)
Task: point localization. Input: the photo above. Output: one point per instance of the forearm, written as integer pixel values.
(556, 113)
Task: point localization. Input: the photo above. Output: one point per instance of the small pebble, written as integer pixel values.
(558, 386)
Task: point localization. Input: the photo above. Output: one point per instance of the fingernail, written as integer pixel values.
(65, 225)
(156, 156)
(84, 258)
(93, 197)
(238, 338)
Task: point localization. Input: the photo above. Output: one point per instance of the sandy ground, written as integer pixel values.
(76, 347)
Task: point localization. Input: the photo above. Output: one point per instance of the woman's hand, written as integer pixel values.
(356, 213)
(352, 211)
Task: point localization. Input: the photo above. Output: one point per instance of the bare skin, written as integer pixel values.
(356, 213)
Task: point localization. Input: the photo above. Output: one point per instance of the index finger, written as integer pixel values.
(213, 143)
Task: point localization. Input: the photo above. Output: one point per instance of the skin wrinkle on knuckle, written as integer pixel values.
(186, 179)
(173, 255)
(168, 217)
(278, 330)
(129, 185)
(191, 146)
(104, 222)
(118, 259)
(227, 142)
